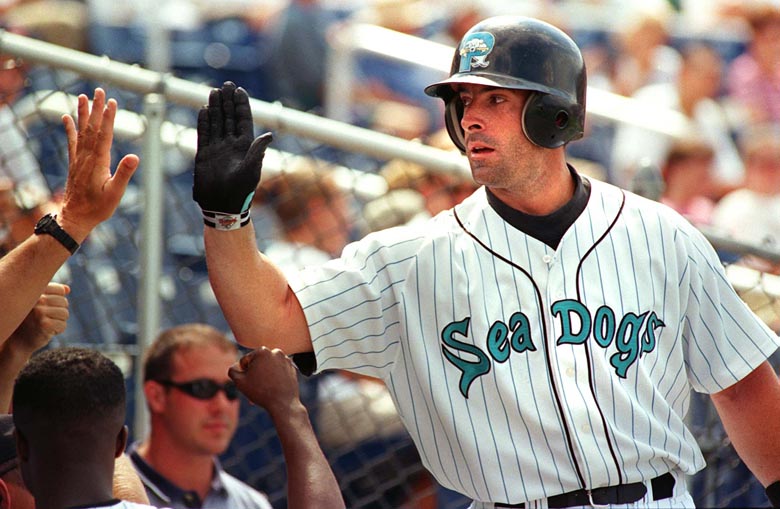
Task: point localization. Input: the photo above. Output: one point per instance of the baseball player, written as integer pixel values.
(540, 339)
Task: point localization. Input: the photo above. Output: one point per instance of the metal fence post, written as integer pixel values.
(151, 247)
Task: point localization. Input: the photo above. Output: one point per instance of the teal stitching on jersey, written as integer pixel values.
(635, 334)
(499, 346)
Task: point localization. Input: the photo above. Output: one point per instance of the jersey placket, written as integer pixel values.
(571, 370)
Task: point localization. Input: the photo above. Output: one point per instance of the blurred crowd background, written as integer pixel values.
(714, 64)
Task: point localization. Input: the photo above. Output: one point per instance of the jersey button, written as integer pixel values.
(547, 259)
(570, 372)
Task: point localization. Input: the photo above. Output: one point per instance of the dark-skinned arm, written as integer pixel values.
(268, 379)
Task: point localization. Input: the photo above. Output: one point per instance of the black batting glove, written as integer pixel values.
(229, 158)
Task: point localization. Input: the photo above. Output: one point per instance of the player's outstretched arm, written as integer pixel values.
(750, 411)
(268, 379)
(253, 294)
(92, 193)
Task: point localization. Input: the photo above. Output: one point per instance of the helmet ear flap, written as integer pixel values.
(549, 121)
(453, 114)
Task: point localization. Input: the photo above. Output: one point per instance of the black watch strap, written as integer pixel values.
(48, 224)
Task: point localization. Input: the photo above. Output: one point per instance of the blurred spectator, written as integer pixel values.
(194, 411)
(440, 191)
(644, 56)
(687, 177)
(299, 56)
(171, 14)
(701, 16)
(312, 211)
(384, 83)
(752, 213)
(31, 197)
(405, 16)
(416, 193)
(399, 119)
(695, 93)
(754, 76)
(459, 17)
(395, 208)
(60, 22)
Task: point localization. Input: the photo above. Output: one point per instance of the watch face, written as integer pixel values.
(44, 223)
(48, 224)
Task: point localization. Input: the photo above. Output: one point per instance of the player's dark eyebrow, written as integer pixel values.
(459, 88)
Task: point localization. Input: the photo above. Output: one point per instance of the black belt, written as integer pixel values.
(663, 487)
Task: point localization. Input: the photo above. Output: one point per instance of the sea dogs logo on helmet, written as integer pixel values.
(474, 50)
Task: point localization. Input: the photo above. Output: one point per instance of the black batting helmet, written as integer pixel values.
(526, 54)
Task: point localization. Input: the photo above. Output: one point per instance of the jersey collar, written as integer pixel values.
(549, 228)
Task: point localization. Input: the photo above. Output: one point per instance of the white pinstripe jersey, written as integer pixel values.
(521, 371)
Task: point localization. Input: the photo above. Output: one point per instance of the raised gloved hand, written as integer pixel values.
(228, 160)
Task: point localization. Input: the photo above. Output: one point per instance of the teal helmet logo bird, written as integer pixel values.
(474, 51)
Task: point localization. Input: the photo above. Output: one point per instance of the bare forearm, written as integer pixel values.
(24, 274)
(253, 294)
(127, 484)
(750, 412)
(310, 480)
(12, 360)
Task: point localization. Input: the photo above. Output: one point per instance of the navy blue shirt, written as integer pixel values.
(226, 492)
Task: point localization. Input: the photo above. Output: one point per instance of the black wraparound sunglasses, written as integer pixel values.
(203, 388)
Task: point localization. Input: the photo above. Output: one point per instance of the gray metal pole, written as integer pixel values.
(151, 248)
(269, 115)
(328, 131)
(158, 42)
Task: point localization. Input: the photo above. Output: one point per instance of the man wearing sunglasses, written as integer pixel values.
(194, 410)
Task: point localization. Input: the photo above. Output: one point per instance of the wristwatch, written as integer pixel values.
(48, 224)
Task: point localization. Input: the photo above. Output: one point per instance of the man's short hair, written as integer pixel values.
(686, 149)
(69, 389)
(288, 193)
(760, 139)
(761, 16)
(158, 360)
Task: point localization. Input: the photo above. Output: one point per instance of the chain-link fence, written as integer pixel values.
(135, 275)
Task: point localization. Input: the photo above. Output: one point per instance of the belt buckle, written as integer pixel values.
(591, 502)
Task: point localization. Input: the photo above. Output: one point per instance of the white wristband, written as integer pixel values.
(225, 222)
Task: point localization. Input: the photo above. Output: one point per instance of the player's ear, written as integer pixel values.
(155, 396)
(22, 447)
(121, 442)
(5, 496)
